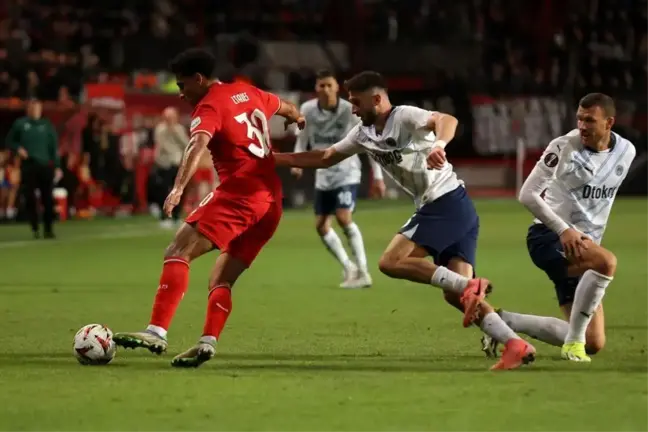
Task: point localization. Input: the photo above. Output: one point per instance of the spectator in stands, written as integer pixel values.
(171, 139)
(34, 139)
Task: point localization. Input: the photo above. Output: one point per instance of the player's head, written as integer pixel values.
(194, 70)
(326, 86)
(34, 109)
(368, 94)
(595, 117)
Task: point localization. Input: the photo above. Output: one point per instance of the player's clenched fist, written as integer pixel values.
(300, 122)
(172, 200)
(436, 158)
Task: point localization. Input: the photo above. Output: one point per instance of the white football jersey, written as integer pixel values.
(323, 129)
(581, 183)
(402, 150)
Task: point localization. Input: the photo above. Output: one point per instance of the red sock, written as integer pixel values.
(173, 285)
(218, 309)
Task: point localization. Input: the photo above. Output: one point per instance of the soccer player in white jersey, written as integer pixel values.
(579, 174)
(328, 119)
(408, 143)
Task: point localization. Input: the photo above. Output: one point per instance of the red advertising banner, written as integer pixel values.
(105, 95)
(152, 104)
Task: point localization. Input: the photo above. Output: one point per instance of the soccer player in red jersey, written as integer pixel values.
(238, 218)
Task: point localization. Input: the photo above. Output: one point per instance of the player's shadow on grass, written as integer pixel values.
(230, 364)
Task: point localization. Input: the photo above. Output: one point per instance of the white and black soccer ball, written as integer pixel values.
(94, 345)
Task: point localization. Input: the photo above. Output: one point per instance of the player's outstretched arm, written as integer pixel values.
(310, 159)
(321, 158)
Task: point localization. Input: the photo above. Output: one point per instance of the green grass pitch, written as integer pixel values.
(299, 353)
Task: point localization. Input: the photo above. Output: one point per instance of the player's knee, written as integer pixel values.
(605, 263)
(388, 264)
(344, 218)
(322, 226)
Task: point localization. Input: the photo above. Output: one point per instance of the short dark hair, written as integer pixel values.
(193, 61)
(365, 81)
(324, 73)
(605, 102)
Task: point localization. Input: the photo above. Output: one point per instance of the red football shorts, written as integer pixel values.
(237, 226)
(204, 175)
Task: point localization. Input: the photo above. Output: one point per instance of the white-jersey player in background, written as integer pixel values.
(580, 174)
(328, 119)
(409, 142)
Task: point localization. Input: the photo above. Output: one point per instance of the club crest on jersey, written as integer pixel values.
(618, 170)
(551, 160)
(194, 123)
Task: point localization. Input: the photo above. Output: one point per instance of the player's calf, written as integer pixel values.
(334, 245)
(600, 265)
(187, 245)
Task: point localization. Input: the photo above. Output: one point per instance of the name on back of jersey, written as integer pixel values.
(240, 98)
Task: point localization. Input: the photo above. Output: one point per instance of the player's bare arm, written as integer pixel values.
(190, 162)
(378, 187)
(290, 112)
(311, 159)
(444, 127)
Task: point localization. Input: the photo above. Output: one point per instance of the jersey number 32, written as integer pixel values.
(257, 130)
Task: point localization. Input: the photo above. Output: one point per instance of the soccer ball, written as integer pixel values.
(94, 345)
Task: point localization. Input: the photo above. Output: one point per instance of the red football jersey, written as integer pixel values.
(236, 116)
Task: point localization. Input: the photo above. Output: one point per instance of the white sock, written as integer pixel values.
(494, 326)
(449, 280)
(546, 329)
(334, 245)
(354, 236)
(211, 340)
(157, 330)
(589, 294)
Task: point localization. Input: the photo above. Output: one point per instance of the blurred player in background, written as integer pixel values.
(238, 218)
(408, 142)
(328, 119)
(579, 174)
(171, 140)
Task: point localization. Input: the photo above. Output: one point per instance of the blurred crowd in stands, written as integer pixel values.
(50, 48)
